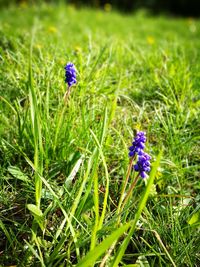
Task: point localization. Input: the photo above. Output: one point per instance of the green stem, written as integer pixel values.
(66, 95)
(130, 191)
(96, 206)
(119, 209)
(124, 185)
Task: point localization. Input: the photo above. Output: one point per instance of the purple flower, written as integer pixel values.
(143, 164)
(70, 74)
(138, 144)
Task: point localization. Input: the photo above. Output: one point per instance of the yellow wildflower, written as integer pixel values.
(150, 40)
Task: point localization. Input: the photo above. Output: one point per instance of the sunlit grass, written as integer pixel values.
(63, 165)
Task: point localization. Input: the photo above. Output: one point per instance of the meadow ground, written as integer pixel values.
(64, 165)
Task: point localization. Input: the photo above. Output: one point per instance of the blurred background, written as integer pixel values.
(173, 7)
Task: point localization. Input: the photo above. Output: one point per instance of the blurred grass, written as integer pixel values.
(143, 73)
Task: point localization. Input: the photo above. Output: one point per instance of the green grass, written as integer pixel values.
(63, 166)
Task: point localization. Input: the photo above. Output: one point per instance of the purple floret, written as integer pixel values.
(138, 144)
(143, 164)
(70, 74)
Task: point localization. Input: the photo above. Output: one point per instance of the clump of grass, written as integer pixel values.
(63, 166)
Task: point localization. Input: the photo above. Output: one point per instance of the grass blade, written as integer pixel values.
(141, 206)
(94, 254)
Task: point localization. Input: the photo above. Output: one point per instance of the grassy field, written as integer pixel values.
(64, 165)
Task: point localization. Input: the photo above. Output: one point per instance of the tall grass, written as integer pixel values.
(64, 165)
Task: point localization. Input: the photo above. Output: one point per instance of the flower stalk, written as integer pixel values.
(142, 166)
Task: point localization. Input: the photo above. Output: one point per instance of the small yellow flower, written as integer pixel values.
(150, 40)
(77, 49)
(71, 7)
(61, 61)
(107, 7)
(52, 29)
(23, 4)
(190, 21)
(38, 46)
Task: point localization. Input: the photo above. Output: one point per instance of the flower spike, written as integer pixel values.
(138, 144)
(70, 74)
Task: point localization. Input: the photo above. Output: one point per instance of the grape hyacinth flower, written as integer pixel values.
(138, 144)
(143, 164)
(70, 74)
(70, 78)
